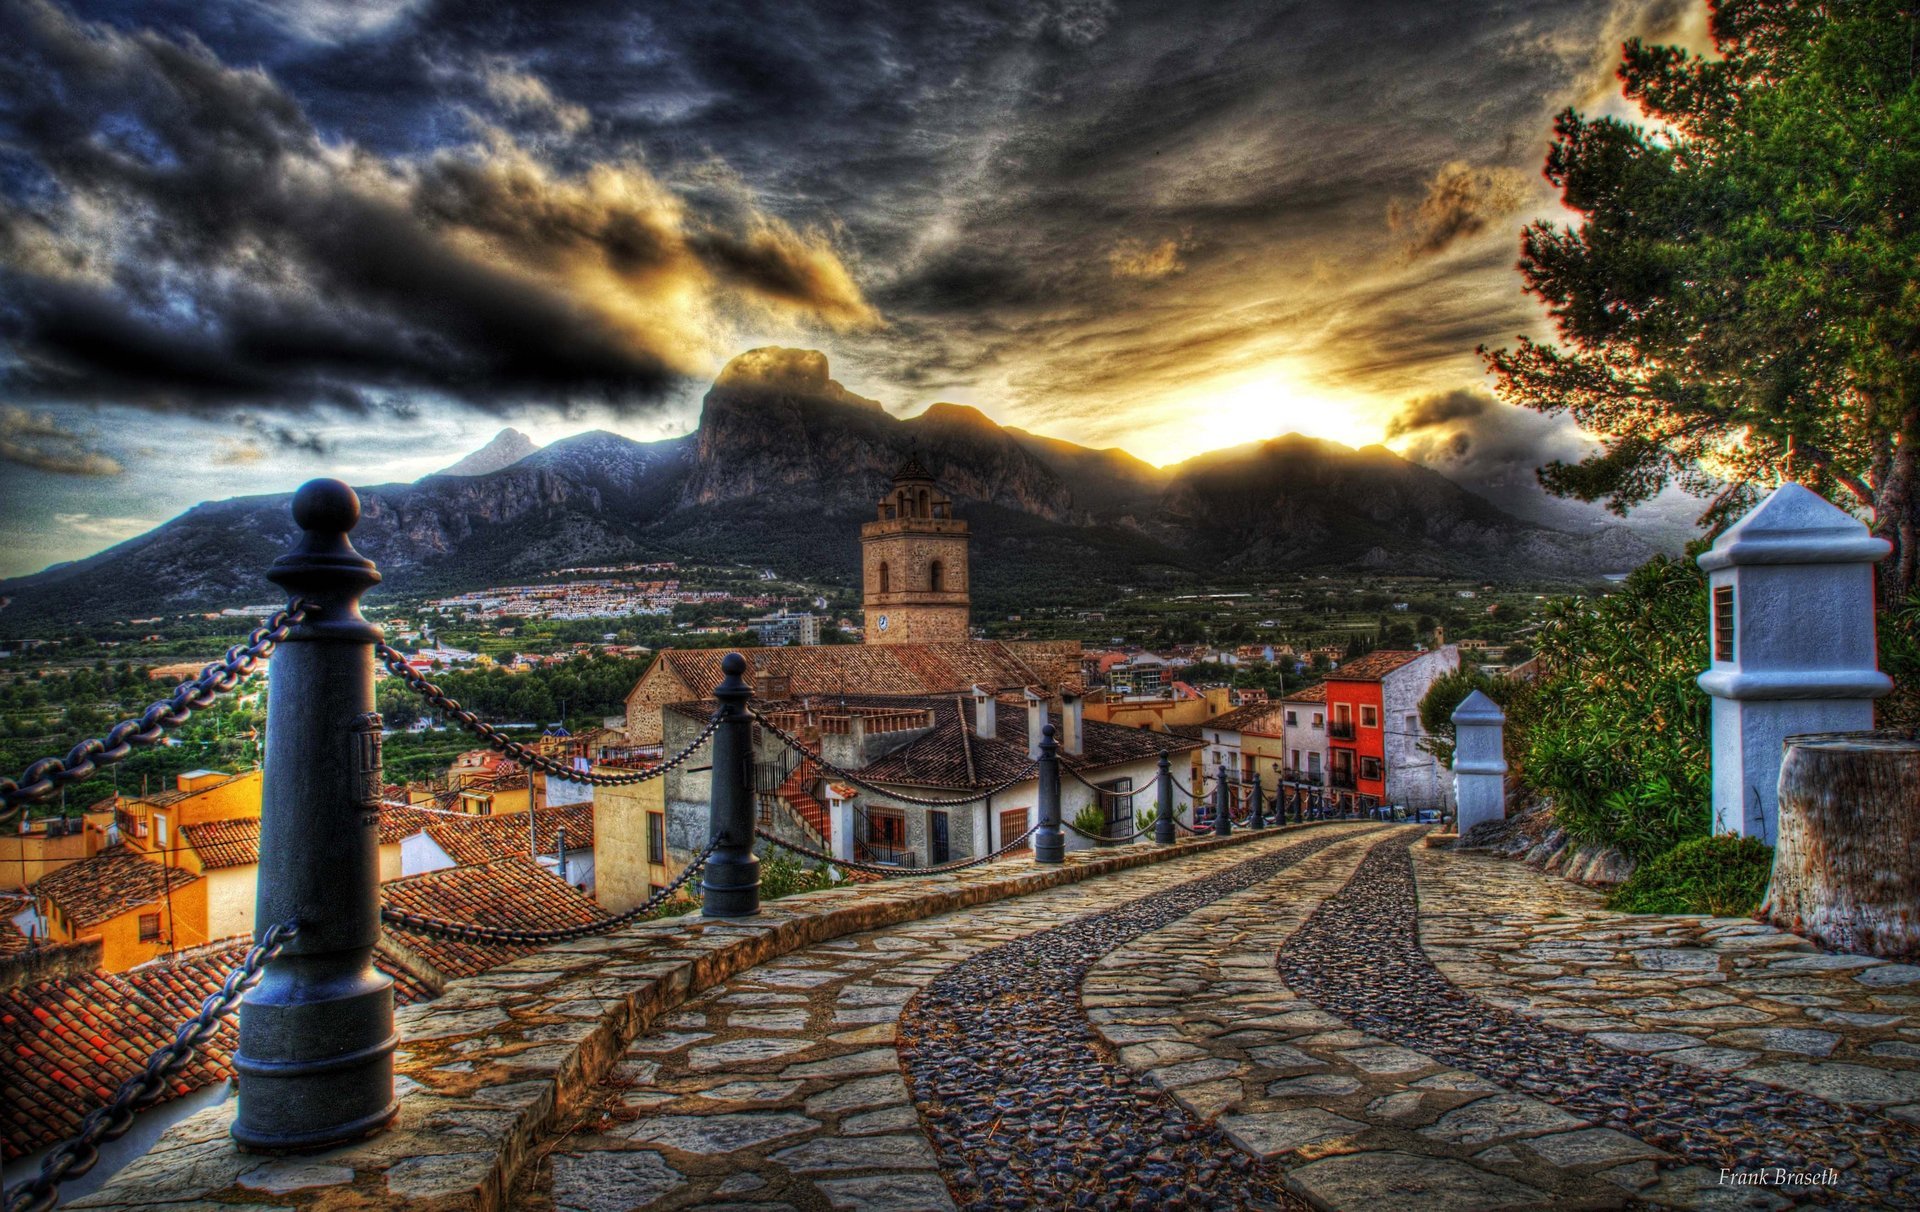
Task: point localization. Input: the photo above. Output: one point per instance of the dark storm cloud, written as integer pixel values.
(1471, 436)
(175, 232)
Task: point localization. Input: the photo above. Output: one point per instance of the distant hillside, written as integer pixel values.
(784, 467)
(508, 447)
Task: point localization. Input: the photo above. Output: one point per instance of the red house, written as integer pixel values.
(1373, 728)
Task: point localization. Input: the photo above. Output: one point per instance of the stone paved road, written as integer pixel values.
(1353, 1073)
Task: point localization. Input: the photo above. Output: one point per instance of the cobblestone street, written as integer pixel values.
(1270, 1026)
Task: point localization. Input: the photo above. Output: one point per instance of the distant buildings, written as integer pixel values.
(785, 627)
(1374, 732)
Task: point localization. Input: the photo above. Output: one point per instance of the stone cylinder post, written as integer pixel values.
(1479, 761)
(730, 884)
(1049, 843)
(1793, 647)
(1222, 803)
(315, 1056)
(1256, 815)
(1163, 805)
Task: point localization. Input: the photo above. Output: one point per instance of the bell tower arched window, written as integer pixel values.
(886, 579)
(936, 576)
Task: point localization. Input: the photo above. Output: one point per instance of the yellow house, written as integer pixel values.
(137, 908)
(50, 843)
(630, 854)
(152, 823)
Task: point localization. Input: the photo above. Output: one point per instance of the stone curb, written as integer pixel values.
(485, 1069)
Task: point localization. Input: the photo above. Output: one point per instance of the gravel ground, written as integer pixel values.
(1027, 1110)
(1358, 957)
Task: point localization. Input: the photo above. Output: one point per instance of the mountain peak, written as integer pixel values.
(508, 447)
(778, 370)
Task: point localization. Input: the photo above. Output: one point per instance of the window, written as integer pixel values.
(1319, 719)
(1293, 717)
(1369, 716)
(1411, 724)
(886, 578)
(149, 927)
(656, 837)
(1723, 622)
(1313, 763)
(1369, 767)
(160, 831)
(1296, 759)
(936, 573)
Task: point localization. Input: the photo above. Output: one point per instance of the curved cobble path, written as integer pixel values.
(1026, 1110)
(1358, 957)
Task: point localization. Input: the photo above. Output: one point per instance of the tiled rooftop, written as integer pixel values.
(1373, 666)
(219, 844)
(1254, 716)
(485, 839)
(512, 893)
(71, 1042)
(1316, 693)
(110, 883)
(865, 668)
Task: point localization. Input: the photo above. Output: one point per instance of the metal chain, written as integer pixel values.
(396, 663)
(1103, 839)
(48, 775)
(798, 746)
(72, 1158)
(1118, 795)
(467, 933)
(884, 871)
(1190, 829)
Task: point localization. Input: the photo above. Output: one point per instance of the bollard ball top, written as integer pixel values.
(326, 507)
(733, 664)
(1049, 731)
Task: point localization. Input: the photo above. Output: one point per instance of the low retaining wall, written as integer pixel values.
(485, 1068)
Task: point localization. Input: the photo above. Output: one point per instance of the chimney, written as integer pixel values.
(768, 685)
(1036, 720)
(986, 717)
(1073, 717)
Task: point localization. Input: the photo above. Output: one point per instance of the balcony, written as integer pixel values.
(1341, 780)
(1341, 730)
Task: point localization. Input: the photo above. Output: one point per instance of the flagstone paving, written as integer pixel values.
(1259, 1029)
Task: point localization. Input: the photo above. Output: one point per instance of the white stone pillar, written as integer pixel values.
(1479, 761)
(982, 829)
(1791, 604)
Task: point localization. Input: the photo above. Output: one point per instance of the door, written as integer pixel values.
(937, 835)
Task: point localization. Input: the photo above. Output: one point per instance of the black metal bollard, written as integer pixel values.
(730, 885)
(1222, 804)
(315, 1060)
(1163, 805)
(1049, 843)
(1256, 816)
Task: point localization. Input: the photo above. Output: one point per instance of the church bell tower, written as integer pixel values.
(913, 561)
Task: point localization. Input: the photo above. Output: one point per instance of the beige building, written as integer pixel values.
(913, 563)
(630, 858)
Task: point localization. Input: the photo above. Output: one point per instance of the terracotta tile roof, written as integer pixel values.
(219, 844)
(864, 668)
(952, 756)
(401, 820)
(71, 1042)
(160, 799)
(471, 839)
(1254, 717)
(513, 893)
(1316, 693)
(1373, 666)
(109, 884)
(11, 939)
(1186, 732)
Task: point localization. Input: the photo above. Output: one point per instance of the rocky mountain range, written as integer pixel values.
(784, 466)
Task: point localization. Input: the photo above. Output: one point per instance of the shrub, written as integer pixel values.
(1446, 694)
(1146, 819)
(1091, 819)
(1723, 875)
(1617, 732)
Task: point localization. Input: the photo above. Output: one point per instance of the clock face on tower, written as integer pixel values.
(881, 622)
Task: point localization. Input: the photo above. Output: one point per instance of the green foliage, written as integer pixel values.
(582, 690)
(1723, 875)
(1900, 658)
(1617, 731)
(784, 874)
(1091, 819)
(1448, 692)
(1146, 819)
(1737, 300)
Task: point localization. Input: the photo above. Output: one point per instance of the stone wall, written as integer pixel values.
(657, 687)
(49, 963)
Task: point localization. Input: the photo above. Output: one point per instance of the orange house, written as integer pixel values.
(137, 908)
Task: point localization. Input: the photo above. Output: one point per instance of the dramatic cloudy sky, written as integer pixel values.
(247, 241)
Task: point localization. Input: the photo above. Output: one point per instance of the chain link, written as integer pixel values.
(1103, 840)
(396, 663)
(72, 1158)
(465, 932)
(798, 746)
(885, 871)
(48, 775)
(1118, 795)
